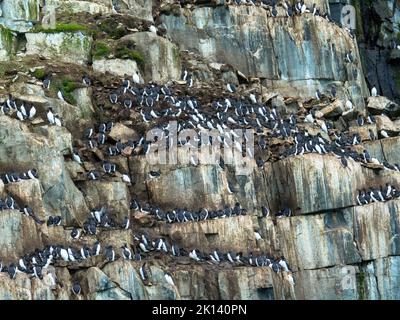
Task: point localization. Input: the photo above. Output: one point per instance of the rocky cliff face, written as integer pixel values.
(378, 38)
(335, 246)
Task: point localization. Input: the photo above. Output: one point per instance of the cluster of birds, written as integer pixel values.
(185, 215)
(298, 8)
(35, 263)
(156, 104)
(388, 192)
(340, 147)
(10, 177)
(9, 203)
(22, 109)
(25, 110)
(100, 218)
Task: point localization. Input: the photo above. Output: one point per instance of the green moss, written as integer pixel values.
(33, 7)
(112, 28)
(62, 27)
(7, 39)
(361, 285)
(39, 74)
(66, 86)
(100, 50)
(126, 53)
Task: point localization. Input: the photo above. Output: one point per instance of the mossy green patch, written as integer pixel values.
(112, 28)
(126, 53)
(39, 74)
(66, 86)
(361, 285)
(100, 50)
(7, 39)
(62, 27)
(33, 9)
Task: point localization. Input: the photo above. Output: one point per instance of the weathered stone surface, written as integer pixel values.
(386, 272)
(60, 137)
(161, 57)
(77, 6)
(322, 240)
(208, 188)
(123, 133)
(28, 192)
(30, 150)
(18, 235)
(83, 97)
(72, 47)
(377, 105)
(20, 9)
(234, 233)
(336, 250)
(196, 283)
(138, 8)
(309, 176)
(125, 275)
(94, 280)
(245, 284)
(111, 194)
(336, 283)
(117, 67)
(278, 50)
(376, 229)
(383, 122)
(333, 110)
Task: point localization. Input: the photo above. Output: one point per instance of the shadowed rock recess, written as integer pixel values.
(87, 210)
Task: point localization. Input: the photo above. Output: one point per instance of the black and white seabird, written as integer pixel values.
(110, 253)
(374, 92)
(86, 80)
(126, 252)
(231, 88)
(76, 288)
(125, 223)
(143, 272)
(168, 278)
(50, 116)
(32, 174)
(154, 174)
(96, 249)
(75, 233)
(46, 83)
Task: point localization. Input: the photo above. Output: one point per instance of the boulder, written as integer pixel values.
(113, 195)
(226, 234)
(32, 150)
(70, 47)
(123, 133)
(19, 235)
(161, 57)
(118, 67)
(380, 104)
